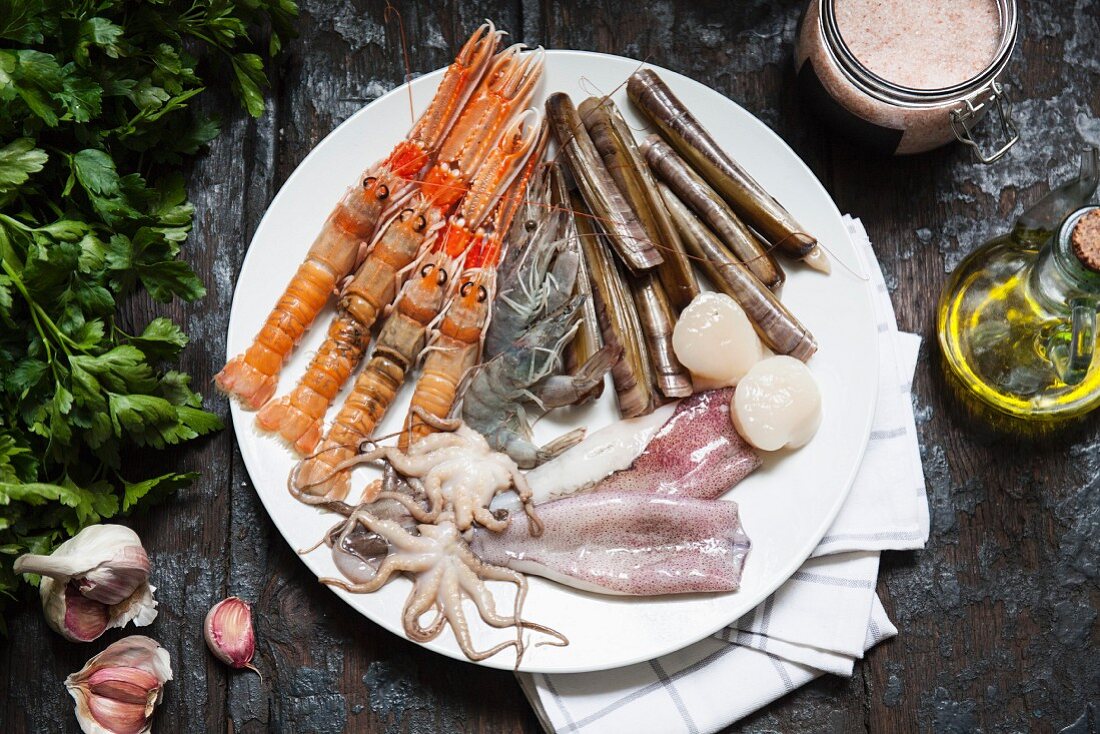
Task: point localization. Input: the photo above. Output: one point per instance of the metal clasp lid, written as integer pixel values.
(964, 119)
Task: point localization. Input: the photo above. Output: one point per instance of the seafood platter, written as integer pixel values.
(574, 366)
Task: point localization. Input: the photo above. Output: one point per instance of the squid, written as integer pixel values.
(626, 543)
(690, 450)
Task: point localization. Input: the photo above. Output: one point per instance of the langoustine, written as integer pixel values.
(462, 189)
(405, 333)
(626, 543)
(252, 376)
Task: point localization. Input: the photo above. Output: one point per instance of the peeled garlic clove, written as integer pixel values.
(777, 404)
(94, 581)
(229, 634)
(118, 689)
(715, 340)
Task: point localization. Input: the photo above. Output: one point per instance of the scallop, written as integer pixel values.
(715, 340)
(777, 404)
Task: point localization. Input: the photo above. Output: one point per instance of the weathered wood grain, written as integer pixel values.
(998, 616)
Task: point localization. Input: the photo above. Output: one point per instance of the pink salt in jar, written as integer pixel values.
(906, 76)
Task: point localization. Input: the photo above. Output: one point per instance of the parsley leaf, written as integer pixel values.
(97, 120)
(18, 160)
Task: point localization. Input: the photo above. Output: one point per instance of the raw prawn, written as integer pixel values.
(528, 372)
(252, 376)
(540, 271)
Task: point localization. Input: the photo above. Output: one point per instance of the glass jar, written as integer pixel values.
(854, 67)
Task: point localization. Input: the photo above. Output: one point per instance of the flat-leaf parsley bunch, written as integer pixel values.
(94, 125)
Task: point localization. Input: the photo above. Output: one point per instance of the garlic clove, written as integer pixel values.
(229, 634)
(117, 691)
(73, 616)
(96, 580)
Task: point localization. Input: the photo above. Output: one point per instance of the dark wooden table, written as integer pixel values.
(997, 616)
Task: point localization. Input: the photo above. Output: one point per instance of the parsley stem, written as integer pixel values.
(40, 316)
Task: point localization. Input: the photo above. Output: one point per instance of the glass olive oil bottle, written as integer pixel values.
(1017, 318)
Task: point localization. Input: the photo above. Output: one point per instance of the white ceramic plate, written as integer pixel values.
(786, 506)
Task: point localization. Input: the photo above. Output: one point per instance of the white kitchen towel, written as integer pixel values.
(887, 507)
(819, 621)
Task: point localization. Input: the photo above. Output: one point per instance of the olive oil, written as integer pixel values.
(997, 335)
(1017, 319)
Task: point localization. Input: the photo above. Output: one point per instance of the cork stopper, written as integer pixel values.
(1085, 240)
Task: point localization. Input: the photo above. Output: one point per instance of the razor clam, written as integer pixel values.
(597, 187)
(618, 320)
(658, 319)
(690, 187)
(628, 168)
(740, 190)
(588, 340)
(777, 327)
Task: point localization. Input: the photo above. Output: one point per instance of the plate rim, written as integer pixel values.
(242, 422)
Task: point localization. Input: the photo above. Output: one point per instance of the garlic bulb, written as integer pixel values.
(116, 691)
(229, 634)
(94, 581)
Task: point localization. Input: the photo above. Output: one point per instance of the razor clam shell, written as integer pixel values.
(658, 320)
(740, 190)
(618, 319)
(619, 222)
(692, 189)
(777, 327)
(615, 143)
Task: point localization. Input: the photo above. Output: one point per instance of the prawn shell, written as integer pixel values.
(777, 326)
(740, 190)
(619, 222)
